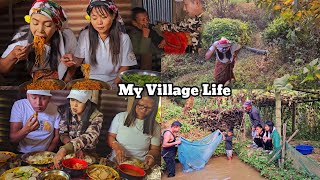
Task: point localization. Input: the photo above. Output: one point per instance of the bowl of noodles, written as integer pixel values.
(43, 84)
(140, 77)
(75, 167)
(87, 84)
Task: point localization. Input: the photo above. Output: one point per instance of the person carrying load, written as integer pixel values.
(226, 54)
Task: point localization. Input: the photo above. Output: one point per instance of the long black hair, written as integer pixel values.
(149, 121)
(270, 124)
(54, 44)
(65, 112)
(114, 36)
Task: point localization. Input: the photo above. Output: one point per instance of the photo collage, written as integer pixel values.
(159, 89)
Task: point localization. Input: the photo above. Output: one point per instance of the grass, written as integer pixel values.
(259, 159)
(238, 1)
(251, 71)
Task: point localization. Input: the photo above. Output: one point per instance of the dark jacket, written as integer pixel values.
(255, 117)
(142, 45)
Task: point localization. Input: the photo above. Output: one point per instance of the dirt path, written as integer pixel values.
(218, 168)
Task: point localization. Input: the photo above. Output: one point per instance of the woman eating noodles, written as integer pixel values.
(42, 43)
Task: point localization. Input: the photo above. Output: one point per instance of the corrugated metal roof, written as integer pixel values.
(76, 11)
(110, 104)
(7, 98)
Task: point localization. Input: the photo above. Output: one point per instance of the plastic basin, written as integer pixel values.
(304, 149)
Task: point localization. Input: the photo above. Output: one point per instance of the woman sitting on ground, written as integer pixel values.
(271, 139)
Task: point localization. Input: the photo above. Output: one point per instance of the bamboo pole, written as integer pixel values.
(283, 144)
(278, 111)
(290, 138)
(244, 128)
(294, 117)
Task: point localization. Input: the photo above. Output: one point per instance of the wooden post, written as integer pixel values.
(294, 116)
(278, 111)
(283, 144)
(244, 128)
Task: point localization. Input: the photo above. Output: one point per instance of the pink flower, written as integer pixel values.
(113, 8)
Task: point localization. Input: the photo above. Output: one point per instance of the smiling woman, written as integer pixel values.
(49, 39)
(136, 134)
(103, 45)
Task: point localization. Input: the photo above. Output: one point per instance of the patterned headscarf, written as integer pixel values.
(50, 9)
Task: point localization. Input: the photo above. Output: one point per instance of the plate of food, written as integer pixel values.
(140, 77)
(87, 157)
(5, 156)
(136, 162)
(101, 172)
(43, 84)
(23, 173)
(38, 158)
(87, 84)
(53, 175)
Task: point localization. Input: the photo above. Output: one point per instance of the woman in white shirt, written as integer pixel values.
(102, 44)
(136, 133)
(46, 19)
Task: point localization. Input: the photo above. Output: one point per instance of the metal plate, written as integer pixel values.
(44, 174)
(27, 155)
(62, 84)
(141, 72)
(105, 86)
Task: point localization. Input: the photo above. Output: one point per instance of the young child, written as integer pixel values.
(103, 45)
(228, 138)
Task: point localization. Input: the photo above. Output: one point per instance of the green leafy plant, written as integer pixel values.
(185, 127)
(171, 110)
(259, 160)
(307, 77)
(295, 30)
(232, 29)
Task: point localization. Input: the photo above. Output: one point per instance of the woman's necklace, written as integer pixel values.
(138, 125)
